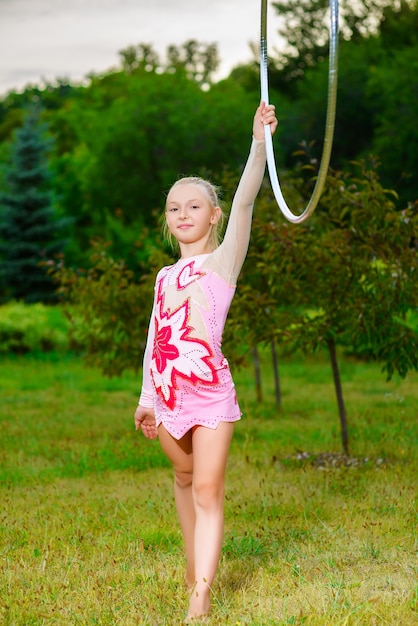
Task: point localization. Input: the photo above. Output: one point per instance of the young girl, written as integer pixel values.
(188, 397)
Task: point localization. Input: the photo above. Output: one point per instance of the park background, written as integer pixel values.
(322, 335)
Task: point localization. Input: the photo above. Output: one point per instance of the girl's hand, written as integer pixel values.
(264, 115)
(145, 420)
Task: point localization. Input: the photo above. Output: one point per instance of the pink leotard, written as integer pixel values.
(186, 378)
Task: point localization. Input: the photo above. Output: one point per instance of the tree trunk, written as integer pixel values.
(339, 393)
(257, 373)
(277, 390)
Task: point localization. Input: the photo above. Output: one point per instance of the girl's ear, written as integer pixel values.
(215, 215)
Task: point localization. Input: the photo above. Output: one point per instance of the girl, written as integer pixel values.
(188, 398)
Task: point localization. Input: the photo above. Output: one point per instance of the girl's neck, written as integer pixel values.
(189, 250)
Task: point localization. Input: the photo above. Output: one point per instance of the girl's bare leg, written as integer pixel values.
(210, 454)
(179, 452)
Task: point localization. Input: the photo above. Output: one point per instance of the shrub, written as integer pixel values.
(32, 328)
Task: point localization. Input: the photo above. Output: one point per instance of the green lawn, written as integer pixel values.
(89, 533)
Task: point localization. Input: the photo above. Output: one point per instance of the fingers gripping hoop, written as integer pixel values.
(330, 118)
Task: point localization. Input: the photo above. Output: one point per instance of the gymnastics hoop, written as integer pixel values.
(330, 118)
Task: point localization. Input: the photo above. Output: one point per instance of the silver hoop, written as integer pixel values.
(330, 119)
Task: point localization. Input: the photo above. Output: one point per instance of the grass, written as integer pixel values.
(89, 534)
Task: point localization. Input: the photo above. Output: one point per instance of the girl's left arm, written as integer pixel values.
(231, 253)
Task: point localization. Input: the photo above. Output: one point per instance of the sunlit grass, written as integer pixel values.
(88, 529)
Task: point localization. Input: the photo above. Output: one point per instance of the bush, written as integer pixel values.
(32, 328)
(412, 319)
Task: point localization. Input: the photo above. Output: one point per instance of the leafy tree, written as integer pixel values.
(131, 145)
(376, 97)
(399, 25)
(48, 96)
(29, 226)
(142, 56)
(109, 307)
(306, 29)
(393, 89)
(199, 61)
(304, 120)
(347, 277)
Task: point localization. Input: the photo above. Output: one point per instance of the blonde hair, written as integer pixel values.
(212, 193)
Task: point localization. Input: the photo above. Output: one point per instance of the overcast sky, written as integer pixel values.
(46, 39)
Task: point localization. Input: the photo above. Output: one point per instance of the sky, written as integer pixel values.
(41, 40)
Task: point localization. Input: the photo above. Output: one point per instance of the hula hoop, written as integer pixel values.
(330, 118)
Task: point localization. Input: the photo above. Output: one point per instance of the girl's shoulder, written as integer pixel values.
(164, 270)
(168, 268)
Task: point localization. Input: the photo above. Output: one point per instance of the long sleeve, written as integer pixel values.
(230, 255)
(146, 397)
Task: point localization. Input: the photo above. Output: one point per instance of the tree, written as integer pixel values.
(29, 226)
(393, 89)
(362, 274)
(109, 307)
(306, 28)
(199, 61)
(345, 279)
(133, 136)
(356, 111)
(377, 96)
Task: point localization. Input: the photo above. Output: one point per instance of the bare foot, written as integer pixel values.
(199, 604)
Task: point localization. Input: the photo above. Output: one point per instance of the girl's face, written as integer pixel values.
(190, 215)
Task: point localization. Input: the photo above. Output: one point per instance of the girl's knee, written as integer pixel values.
(208, 494)
(183, 479)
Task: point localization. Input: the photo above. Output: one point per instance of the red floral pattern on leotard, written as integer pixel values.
(163, 350)
(177, 353)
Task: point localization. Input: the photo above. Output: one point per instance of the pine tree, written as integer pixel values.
(29, 227)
